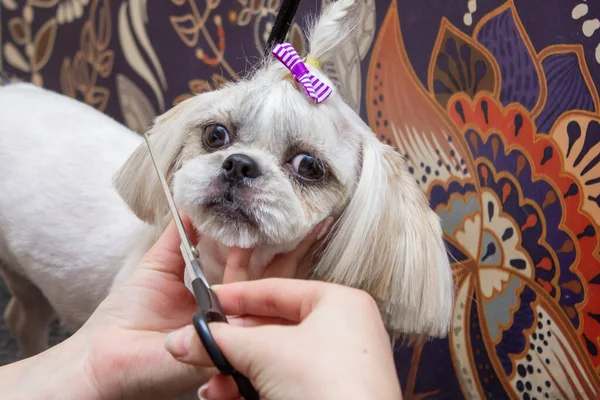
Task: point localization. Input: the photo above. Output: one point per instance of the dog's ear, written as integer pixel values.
(137, 182)
(388, 242)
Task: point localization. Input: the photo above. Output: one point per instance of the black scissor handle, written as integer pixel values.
(201, 320)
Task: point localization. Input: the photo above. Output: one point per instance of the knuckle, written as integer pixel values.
(364, 300)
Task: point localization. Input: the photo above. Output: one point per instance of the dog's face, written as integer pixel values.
(257, 163)
(261, 165)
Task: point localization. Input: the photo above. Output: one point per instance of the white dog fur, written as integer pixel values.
(66, 234)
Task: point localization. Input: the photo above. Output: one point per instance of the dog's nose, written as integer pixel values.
(239, 166)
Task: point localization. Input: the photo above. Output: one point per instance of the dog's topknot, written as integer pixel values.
(333, 28)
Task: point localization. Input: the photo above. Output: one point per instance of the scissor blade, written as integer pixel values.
(188, 251)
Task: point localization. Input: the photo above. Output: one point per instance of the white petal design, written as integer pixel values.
(137, 110)
(345, 69)
(139, 17)
(461, 346)
(134, 57)
(424, 159)
(15, 58)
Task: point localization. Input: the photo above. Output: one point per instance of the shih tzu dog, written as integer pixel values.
(258, 163)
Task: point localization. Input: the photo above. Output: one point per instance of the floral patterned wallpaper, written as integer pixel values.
(493, 102)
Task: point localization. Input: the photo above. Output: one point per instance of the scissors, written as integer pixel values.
(209, 308)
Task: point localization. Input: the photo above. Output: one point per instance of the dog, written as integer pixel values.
(255, 164)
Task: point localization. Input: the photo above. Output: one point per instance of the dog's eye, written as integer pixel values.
(215, 136)
(308, 167)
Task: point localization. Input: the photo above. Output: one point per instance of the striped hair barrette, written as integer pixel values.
(313, 87)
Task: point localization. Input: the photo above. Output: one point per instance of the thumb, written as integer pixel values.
(165, 254)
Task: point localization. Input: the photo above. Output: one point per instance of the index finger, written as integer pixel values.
(236, 267)
(290, 299)
(286, 265)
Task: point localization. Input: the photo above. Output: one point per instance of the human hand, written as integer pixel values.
(119, 352)
(295, 264)
(126, 356)
(297, 340)
(126, 334)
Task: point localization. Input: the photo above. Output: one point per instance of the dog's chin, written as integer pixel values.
(230, 213)
(229, 224)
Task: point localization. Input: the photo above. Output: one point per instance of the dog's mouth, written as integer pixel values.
(229, 208)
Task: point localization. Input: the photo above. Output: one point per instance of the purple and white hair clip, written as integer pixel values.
(313, 87)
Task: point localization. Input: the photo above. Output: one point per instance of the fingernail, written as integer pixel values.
(203, 392)
(325, 225)
(317, 229)
(215, 288)
(178, 342)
